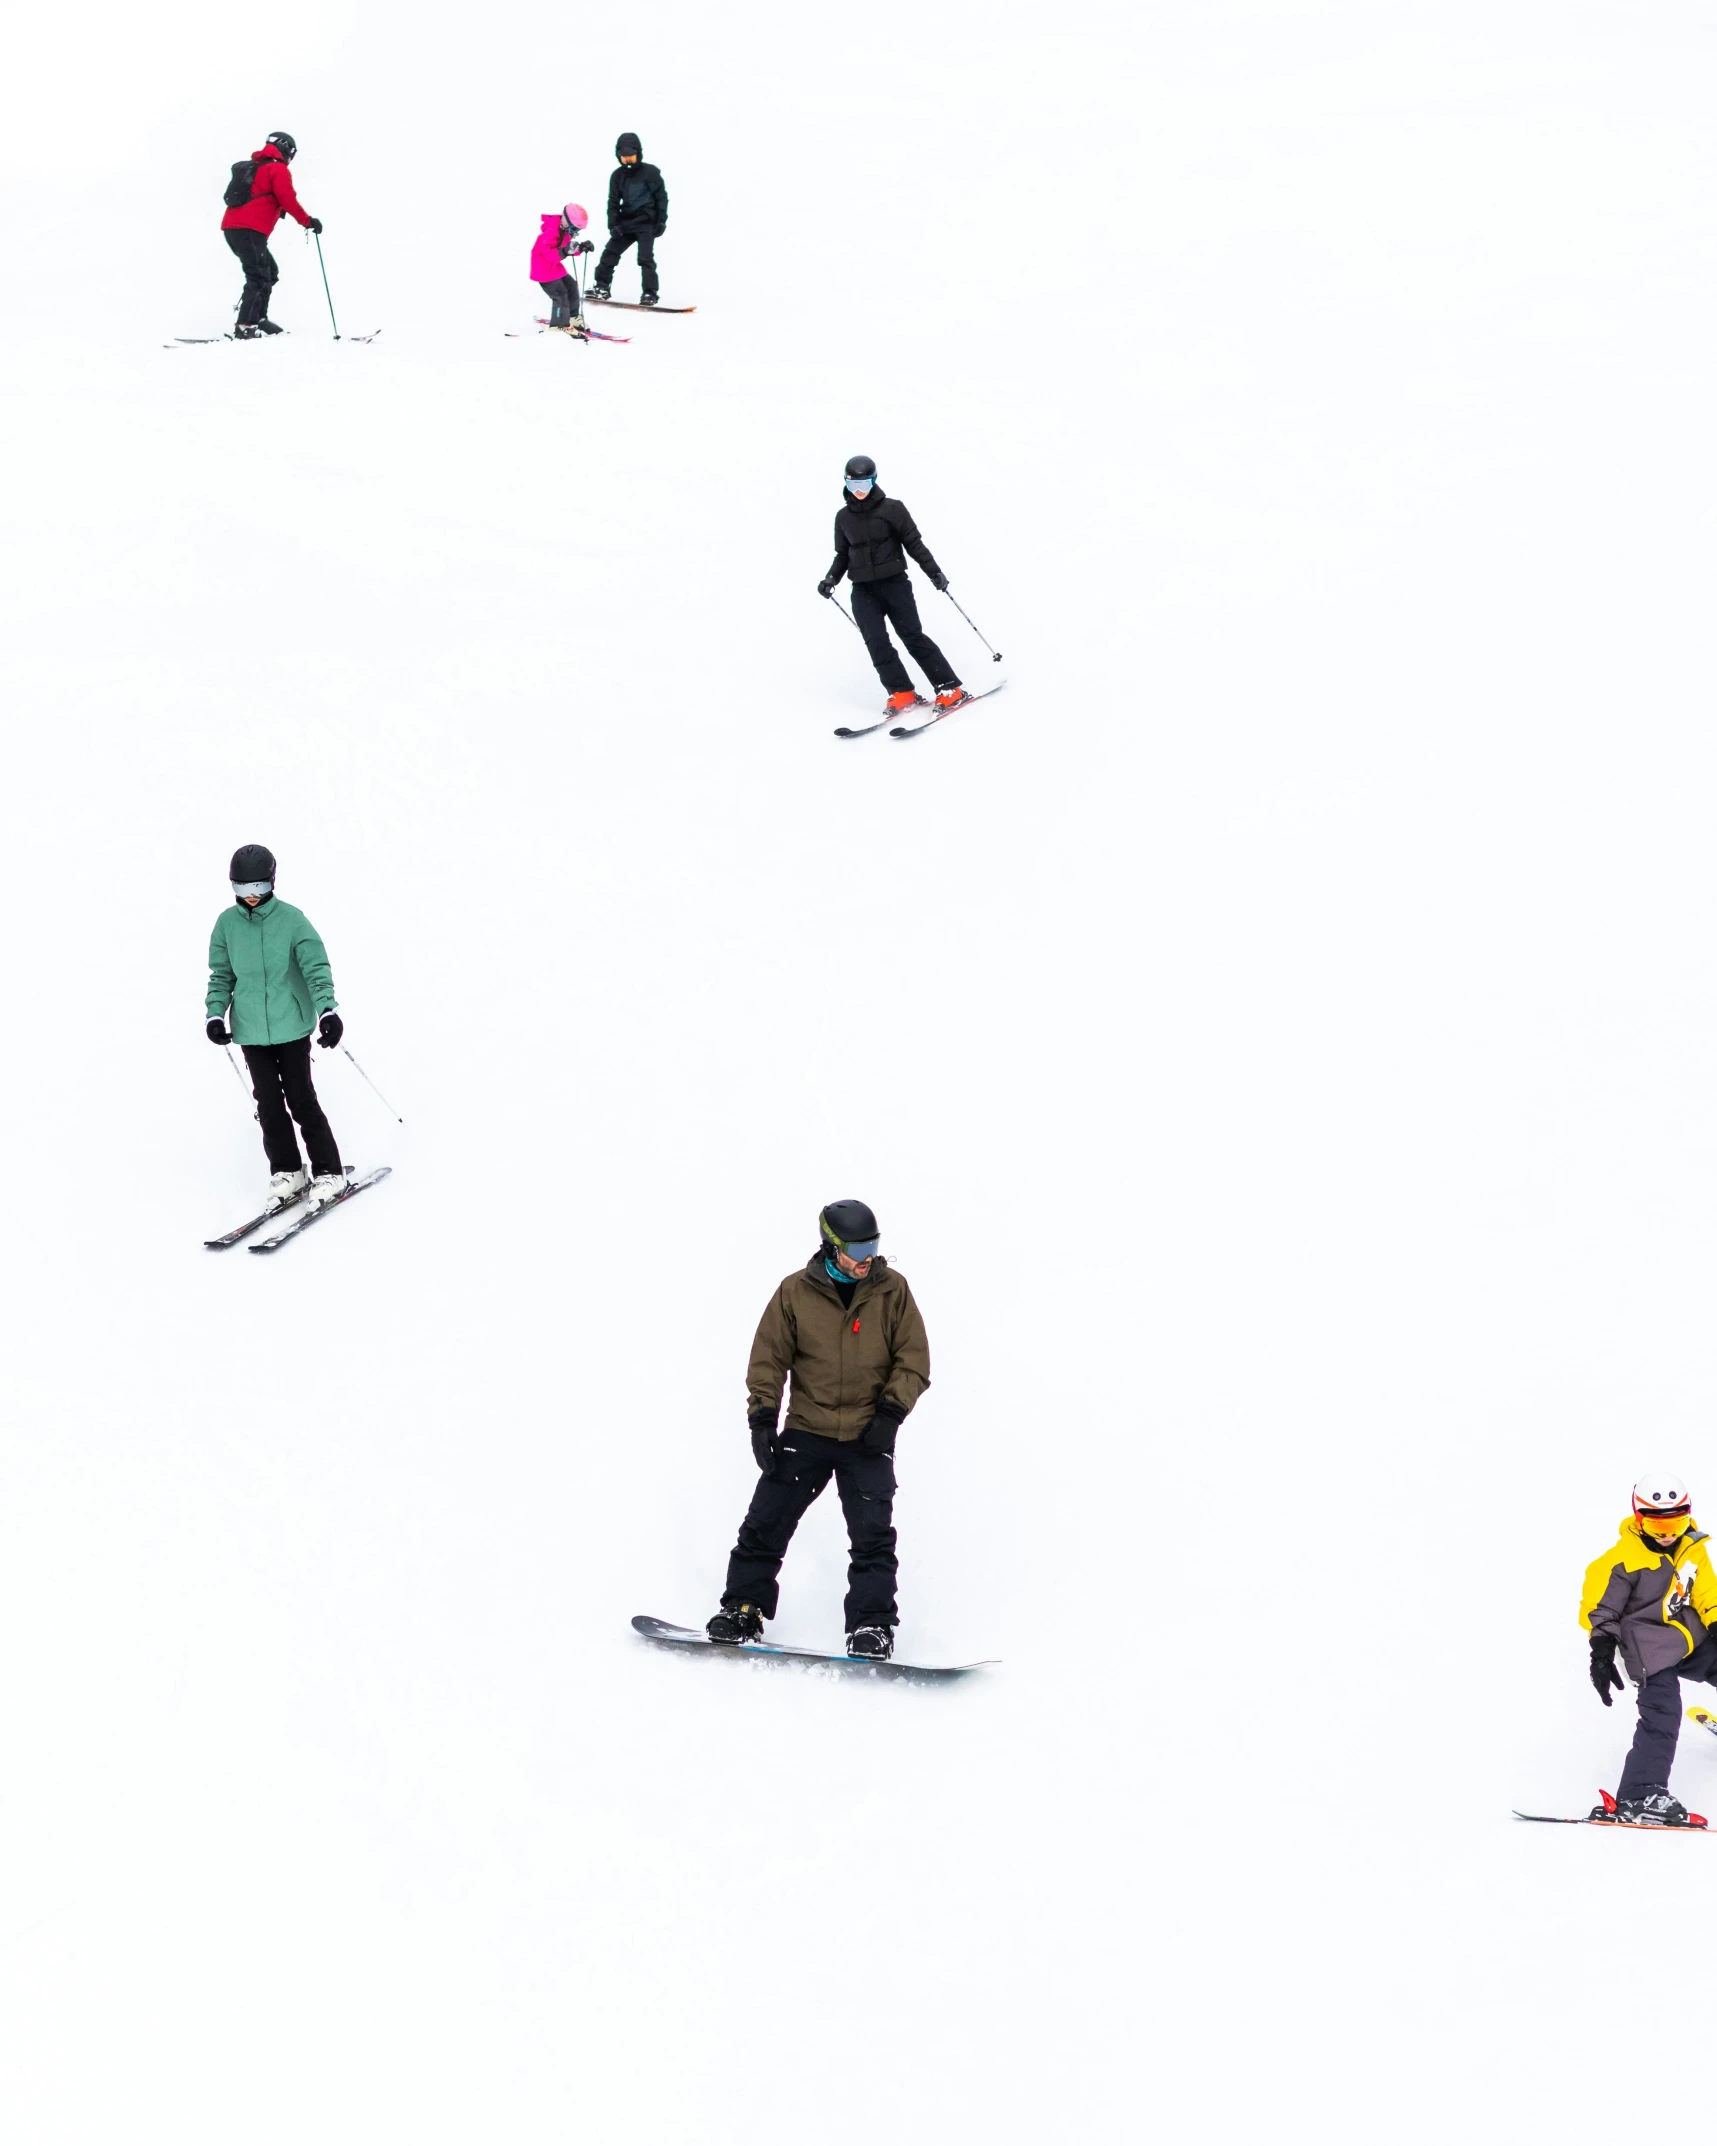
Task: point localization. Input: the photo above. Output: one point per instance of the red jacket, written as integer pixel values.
(270, 192)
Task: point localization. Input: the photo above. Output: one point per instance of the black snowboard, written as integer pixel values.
(676, 1635)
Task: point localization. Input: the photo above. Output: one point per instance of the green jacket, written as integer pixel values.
(843, 1360)
(270, 967)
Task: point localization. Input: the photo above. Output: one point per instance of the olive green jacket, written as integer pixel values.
(845, 1362)
(268, 964)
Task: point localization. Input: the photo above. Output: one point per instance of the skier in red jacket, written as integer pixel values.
(248, 225)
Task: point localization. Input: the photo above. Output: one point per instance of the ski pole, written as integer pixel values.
(374, 1089)
(239, 1077)
(847, 615)
(995, 653)
(328, 294)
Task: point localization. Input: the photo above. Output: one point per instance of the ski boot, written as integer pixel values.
(733, 1623)
(601, 290)
(898, 703)
(245, 333)
(283, 1188)
(269, 327)
(871, 1643)
(650, 298)
(326, 1186)
(952, 697)
(1656, 1809)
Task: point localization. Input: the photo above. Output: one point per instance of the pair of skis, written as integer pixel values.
(354, 1186)
(1607, 1816)
(917, 730)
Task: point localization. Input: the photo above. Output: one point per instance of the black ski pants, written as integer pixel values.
(609, 259)
(562, 295)
(280, 1081)
(261, 274)
(798, 1476)
(874, 604)
(1653, 1753)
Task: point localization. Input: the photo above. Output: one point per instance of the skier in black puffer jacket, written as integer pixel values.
(637, 213)
(873, 535)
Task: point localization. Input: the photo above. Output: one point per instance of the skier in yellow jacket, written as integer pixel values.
(1654, 1596)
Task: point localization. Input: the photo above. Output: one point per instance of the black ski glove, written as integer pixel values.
(825, 588)
(331, 1030)
(585, 245)
(763, 1442)
(879, 1433)
(941, 584)
(1606, 1677)
(315, 224)
(217, 1033)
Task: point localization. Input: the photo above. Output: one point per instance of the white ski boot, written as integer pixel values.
(324, 1189)
(283, 1188)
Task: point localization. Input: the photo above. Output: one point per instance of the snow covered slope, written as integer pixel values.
(1276, 1034)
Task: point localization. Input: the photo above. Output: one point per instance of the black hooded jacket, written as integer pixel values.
(872, 538)
(637, 199)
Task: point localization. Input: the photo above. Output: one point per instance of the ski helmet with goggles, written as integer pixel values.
(285, 144)
(574, 216)
(1662, 1496)
(861, 473)
(252, 867)
(849, 1226)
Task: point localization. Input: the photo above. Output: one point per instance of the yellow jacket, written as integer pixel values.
(1657, 1603)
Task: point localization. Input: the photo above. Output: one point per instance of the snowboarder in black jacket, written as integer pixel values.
(637, 212)
(873, 535)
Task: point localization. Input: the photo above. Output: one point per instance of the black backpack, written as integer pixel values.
(240, 184)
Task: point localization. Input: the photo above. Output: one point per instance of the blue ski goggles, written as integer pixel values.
(858, 486)
(859, 1253)
(259, 887)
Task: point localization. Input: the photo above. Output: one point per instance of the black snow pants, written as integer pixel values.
(562, 296)
(874, 604)
(609, 259)
(261, 273)
(1653, 1753)
(280, 1081)
(804, 1462)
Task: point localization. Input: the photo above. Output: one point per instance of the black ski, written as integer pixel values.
(917, 730)
(629, 305)
(234, 1236)
(887, 715)
(1615, 1825)
(357, 1185)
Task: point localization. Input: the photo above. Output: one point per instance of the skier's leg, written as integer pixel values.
(296, 1080)
(279, 1141)
(903, 609)
(872, 616)
(1653, 1753)
(254, 302)
(866, 1484)
(269, 268)
(555, 293)
(778, 1504)
(647, 262)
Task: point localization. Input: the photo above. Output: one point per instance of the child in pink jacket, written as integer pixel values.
(557, 238)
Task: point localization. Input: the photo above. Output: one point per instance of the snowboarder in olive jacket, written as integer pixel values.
(847, 1334)
(1653, 1596)
(873, 535)
(637, 214)
(268, 965)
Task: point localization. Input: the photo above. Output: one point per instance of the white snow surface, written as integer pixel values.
(1277, 1035)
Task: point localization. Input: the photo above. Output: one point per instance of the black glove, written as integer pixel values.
(825, 588)
(315, 224)
(1606, 1677)
(763, 1442)
(585, 245)
(331, 1030)
(878, 1434)
(217, 1033)
(941, 584)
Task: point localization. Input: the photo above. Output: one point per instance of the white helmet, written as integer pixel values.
(1661, 1494)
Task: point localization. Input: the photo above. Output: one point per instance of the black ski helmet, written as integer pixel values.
(629, 145)
(251, 864)
(285, 144)
(862, 466)
(849, 1226)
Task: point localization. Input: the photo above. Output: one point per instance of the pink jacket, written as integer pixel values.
(547, 265)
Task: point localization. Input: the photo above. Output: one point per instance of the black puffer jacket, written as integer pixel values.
(637, 199)
(872, 538)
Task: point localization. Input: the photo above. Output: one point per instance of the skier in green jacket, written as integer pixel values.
(267, 963)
